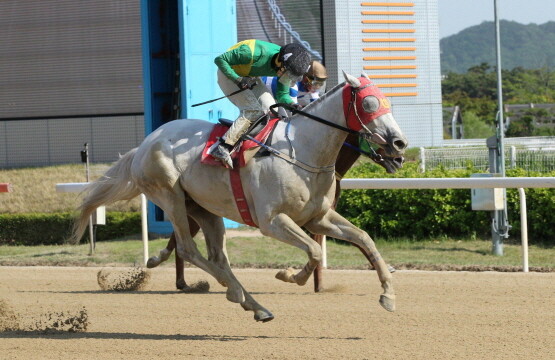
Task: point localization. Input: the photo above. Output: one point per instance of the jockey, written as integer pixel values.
(308, 89)
(241, 66)
(312, 84)
(272, 83)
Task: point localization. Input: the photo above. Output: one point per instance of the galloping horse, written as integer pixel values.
(348, 155)
(283, 193)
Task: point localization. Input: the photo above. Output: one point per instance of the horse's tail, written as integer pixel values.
(114, 185)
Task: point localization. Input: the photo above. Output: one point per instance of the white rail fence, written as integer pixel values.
(79, 187)
(519, 183)
(464, 183)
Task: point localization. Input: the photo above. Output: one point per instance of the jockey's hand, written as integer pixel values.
(246, 82)
(296, 106)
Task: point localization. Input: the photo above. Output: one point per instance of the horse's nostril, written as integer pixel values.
(400, 144)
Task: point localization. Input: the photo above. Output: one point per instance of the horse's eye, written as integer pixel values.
(370, 104)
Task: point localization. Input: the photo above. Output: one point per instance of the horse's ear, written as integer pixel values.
(365, 75)
(353, 81)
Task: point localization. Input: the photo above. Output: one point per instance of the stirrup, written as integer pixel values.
(219, 151)
(264, 118)
(225, 122)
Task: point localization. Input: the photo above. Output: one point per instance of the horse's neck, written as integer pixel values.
(315, 143)
(347, 156)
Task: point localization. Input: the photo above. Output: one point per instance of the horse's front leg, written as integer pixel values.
(283, 228)
(334, 225)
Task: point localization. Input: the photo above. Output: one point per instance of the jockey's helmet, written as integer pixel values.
(315, 77)
(294, 59)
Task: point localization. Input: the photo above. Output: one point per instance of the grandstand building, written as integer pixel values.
(72, 72)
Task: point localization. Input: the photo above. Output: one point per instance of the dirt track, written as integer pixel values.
(440, 315)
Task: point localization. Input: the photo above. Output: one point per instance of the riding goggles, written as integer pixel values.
(288, 79)
(315, 83)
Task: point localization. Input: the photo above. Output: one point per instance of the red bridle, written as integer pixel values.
(352, 103)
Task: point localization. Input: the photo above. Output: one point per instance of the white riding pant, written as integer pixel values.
(252, 104)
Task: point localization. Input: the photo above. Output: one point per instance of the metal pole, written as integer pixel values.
(513, 156)
(454, 122)
(501, 125)
(500, 226)
(523, 229)
(324, 253)
(144, 228)
(422, 159)
(85, 157)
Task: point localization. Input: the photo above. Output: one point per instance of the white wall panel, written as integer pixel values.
(354, 40)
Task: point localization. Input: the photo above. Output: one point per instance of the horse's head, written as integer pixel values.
(367, 110)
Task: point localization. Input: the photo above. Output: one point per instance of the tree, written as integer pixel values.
(476, 128)
(475, 92)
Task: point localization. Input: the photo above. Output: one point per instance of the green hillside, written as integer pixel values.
(529, 46)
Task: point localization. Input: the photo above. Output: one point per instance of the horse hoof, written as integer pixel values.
(286, 275)
(391, 269)
(263, 316)
(388, 302)
(153, 262)
(298, 281)
(180, 284)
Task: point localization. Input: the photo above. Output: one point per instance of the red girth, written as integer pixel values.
(353, 97)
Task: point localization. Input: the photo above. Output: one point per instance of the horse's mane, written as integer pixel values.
(326, 94)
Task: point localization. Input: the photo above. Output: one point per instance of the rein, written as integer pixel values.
(372, 155)
(291, 160)
(366, 136)
(294, 110)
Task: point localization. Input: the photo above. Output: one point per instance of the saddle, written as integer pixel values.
(260, 131)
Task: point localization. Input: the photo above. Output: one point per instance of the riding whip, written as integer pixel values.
(225, 96)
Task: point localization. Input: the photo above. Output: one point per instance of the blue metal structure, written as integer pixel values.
(180, 39)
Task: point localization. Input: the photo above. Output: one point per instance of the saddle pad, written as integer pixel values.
(246, 151)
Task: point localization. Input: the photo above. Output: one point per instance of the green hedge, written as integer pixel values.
(423, 214)
(52, 229)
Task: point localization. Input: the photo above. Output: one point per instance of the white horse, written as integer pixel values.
(284, 192)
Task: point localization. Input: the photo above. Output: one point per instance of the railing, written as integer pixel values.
(285, 29)
(463, 183)
(411, 183)
(78, 187)
(536, 142)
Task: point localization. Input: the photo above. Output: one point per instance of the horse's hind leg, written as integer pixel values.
(165, 253)
(214, 235)
(180, 282)
(173, 203)
(334, 225)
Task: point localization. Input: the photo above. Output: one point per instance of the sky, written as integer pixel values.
(457, 15)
